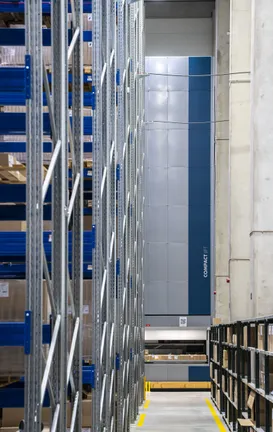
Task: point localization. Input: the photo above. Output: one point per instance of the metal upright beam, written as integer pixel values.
(98, 262)
(121, 217)
(60, 203)
(34, 261)
(77, 260)
(132, 52)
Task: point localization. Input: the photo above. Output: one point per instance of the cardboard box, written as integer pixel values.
(251, 400)
(262, 381)
(223, 383)
(215, 357)
(225, 359)
(12, 429)
(21, 225)
(87, 321)
(87, 223)
(261, 336)
(245, 342)
(86, 413)
(12, 309)
(230, 388)
(218, 398)
(11, 417)
(270, 337)
(229, 335)
(245, 422)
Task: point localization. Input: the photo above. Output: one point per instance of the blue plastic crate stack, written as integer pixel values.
(13, 196)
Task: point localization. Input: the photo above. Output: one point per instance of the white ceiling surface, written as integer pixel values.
(179, 8)
(172, 334)
(179, 37)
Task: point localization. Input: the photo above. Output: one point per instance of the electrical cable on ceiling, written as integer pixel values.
(191, 76)
(186, 123)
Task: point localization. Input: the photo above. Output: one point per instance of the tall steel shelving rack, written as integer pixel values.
(118, 157)
(117, 211)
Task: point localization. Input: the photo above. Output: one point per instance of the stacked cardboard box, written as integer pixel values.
(215, 351)
(218, 398)
(12, 308)
(261, 336)
(216, 374)
(11, 417)
(229, 335)
(270, 338)
(223, 383)
(87, 321)
(225, 359)
(176, 357)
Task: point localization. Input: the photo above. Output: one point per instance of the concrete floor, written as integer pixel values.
(178, 411)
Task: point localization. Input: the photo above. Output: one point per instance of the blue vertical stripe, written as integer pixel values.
(199, 186)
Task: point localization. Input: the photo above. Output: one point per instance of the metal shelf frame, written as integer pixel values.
(116, 184)
(63, 364)
(118, 123)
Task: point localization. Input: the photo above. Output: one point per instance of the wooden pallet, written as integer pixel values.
(86, 163)
(16, 174)
(13, 174)
(7, 380)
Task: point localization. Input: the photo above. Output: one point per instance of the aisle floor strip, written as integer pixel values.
(215, 416)
(141, 420)
(147, 403)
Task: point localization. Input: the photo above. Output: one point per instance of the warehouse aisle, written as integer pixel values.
(179, 411)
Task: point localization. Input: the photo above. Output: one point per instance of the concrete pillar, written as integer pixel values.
(222, 21)
(261, 233)
(239, 182)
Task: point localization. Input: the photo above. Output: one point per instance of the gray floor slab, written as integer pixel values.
(178, 411)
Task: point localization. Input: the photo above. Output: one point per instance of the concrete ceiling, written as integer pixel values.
(179, 8)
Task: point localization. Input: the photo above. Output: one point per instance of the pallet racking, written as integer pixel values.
(115, 244)
(241, 373)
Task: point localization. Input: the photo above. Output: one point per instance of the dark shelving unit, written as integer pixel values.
(241, 372)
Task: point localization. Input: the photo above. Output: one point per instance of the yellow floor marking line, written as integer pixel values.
(215, 416)
(141, 420)
(146, 405)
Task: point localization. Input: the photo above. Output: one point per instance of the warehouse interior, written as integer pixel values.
(135, 229)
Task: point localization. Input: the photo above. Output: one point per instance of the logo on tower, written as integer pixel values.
(205, 262)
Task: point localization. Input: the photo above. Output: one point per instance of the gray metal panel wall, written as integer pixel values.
(166, 211)
(166, 372)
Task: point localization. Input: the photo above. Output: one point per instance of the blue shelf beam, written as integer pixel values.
(11, 270)
(18, 98)
(13, 79)
(13, 246)
(12, 396)
(17, 193)
(18, 212)
(13, 6)
(13, 334)
(16, 36)
(20, 147)
(15, 124)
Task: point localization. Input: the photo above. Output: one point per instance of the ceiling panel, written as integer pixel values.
(179, 8)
